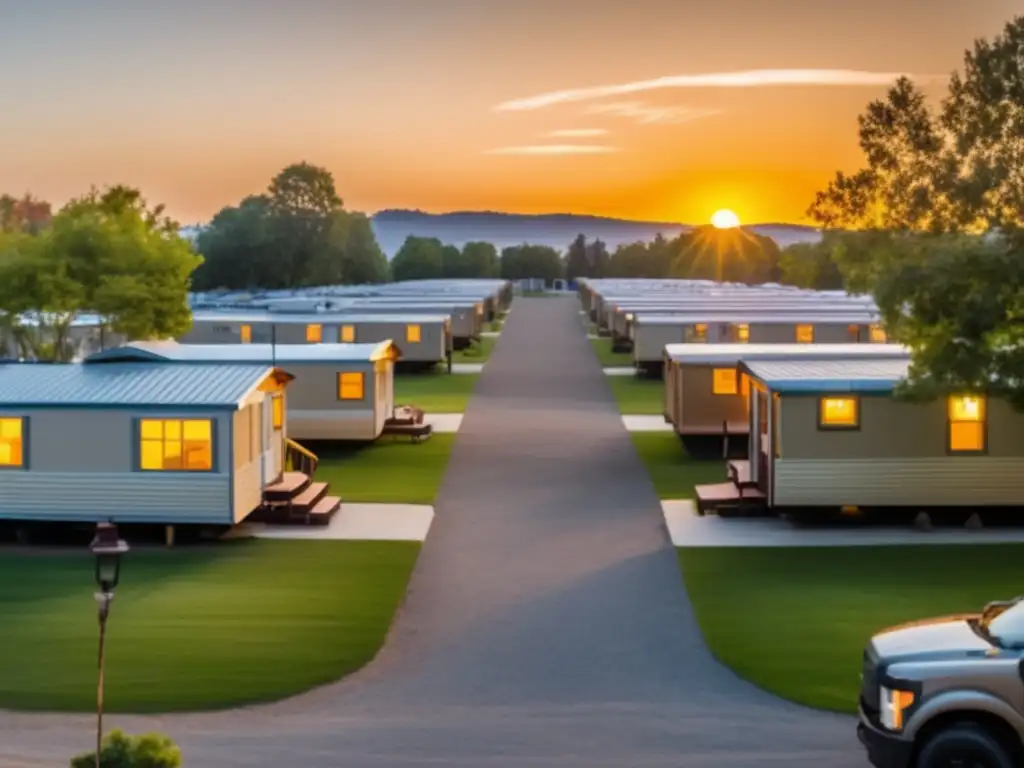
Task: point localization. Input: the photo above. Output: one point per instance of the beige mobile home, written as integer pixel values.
(828, 434)
(426, 339)
(340, 391)
(172, 444)
(706, 396)
(653, 332)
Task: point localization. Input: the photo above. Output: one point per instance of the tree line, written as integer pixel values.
(933, 225)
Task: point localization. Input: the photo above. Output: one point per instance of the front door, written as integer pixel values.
(269, 470)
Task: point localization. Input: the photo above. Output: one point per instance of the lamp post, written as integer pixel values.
(107, 550)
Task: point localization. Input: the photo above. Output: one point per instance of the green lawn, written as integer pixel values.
(673, 472)
(479, 352)
(196, 628)
(607, 358)
(389, 470)
(638, 396)
(795, 620)
(435, 392)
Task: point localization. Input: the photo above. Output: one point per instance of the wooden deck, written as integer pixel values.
(736, 429)
(738, 496)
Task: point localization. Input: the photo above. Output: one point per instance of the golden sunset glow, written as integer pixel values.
(724, 219)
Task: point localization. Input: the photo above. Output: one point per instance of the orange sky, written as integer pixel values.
(201, 106)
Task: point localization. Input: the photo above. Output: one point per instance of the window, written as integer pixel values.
(743, 333)
(877, 335)
(412, 334)
(805, 334)
(698, 333)
(314, 333)
(725, 381)
(245, 332)
(348, 334)
(278, 406)
(12, 442)
(966, 424)
(176, 444)
(350, 386)
(839, 413)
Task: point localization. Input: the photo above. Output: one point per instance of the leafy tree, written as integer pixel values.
(362, 259)
(810, 265)
(521, 262)
(577, 261)
(598, 257)
(481, 259)
(452, 263)
(118, 750)
(97, 256)
(419, 258)
(631, 260)
(239, 249)
(24, 214)
(732, 255)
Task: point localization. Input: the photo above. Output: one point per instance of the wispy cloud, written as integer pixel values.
(647, 115)
(577, 133)
(754, 78)
(554, 149)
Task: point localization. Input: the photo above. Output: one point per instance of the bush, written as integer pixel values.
(151, 750)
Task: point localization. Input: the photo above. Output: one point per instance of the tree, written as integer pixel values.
(630, 260)
(362, 259)
(577, 263)
(481, 259)
(97, 256)
(452, 263)
(597, 257)
(419, 258)
(731, 255)
(810, 265)
(25, 214)
(521, 262)
(239, 249)
(118, 750)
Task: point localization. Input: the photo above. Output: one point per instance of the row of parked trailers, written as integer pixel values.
(427, 319)
(643, 316)
(811, 426)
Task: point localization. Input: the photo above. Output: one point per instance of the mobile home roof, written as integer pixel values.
(828, 376)
(734, 353)
(323, 318)
(268, 354)
(118, 385)
(747, 317)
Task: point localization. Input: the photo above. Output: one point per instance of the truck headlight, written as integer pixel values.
(894, 703)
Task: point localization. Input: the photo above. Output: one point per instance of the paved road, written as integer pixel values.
(546, 624)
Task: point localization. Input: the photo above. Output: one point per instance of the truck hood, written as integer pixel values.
(944, 637)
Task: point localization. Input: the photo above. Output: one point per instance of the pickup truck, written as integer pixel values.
(946, 692)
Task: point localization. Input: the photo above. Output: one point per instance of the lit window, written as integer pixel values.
(278, 405)
(744, 385)
(350, 386)
(348, 334)
(805, 334)
(246, 334)
(12, 441)
(412, 334)
(877, 334)
(725, 381)
(839, 412)
(699, 332)
(966, 424)
(742, 333)
(176, 444)
(314, 333)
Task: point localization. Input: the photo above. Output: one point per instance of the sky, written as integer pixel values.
(659, 110)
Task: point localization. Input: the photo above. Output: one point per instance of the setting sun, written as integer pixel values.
(724, 219)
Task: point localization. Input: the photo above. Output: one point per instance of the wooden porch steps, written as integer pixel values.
(738, 496)
(296, 498)
(322, 512)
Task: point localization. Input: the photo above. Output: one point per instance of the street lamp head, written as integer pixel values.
(107, 548)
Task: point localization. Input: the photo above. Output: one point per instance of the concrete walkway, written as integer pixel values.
(545, 624)
(637, 423)
(359, 522)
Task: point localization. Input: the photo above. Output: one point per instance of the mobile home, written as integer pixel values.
(135, 442)
(706, 396)
(339, 392)
(828, 435)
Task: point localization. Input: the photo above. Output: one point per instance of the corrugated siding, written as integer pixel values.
(316, 388)
(157, 497)
(248, 490)
(939, 481)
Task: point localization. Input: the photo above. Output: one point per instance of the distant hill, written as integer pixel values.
(556, 230)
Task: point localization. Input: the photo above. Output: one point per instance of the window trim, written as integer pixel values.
(823, 426)
(347, 330)
(409, 333)
(735, 382)
(277, 411)
(799, 327)
(24, 445)
(340, 386)
(318, 333)
(983, 421)
(214, 445)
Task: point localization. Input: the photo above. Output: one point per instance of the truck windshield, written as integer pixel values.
(1007, 628)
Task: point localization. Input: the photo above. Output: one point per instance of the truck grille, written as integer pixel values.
(869, 684)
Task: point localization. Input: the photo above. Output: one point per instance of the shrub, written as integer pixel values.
(151, 750)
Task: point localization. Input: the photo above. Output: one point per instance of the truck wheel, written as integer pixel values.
(960, 746)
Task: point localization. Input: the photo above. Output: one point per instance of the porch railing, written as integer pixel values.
(298, 458)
